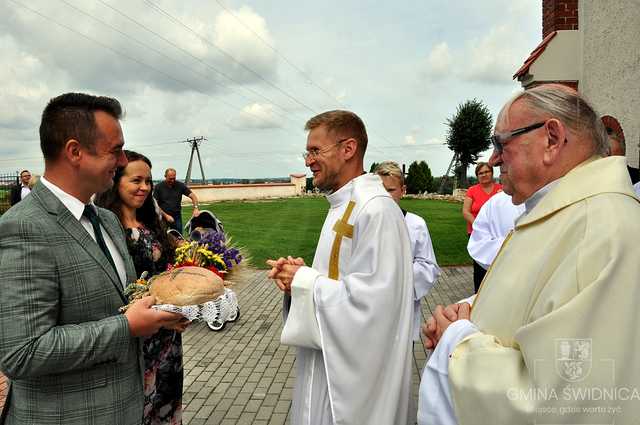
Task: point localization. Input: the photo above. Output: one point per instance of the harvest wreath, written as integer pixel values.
(198, 277)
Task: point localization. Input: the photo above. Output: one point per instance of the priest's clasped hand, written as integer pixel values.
(283, 270)
(442, 317)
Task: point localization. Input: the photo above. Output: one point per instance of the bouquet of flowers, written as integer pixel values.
(215, 252)
(195, 254)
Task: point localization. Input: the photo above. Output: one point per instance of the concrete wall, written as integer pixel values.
(560, 60)
(227, 192)
(611, 64)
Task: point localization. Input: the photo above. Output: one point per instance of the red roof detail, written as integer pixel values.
(534, 55)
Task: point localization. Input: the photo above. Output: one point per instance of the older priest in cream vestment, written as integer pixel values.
(350, 313)
(553, 333)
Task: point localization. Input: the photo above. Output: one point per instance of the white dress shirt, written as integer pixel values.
(24, 191)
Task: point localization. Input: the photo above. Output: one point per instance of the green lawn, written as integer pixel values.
(270, 229)
(447, 228)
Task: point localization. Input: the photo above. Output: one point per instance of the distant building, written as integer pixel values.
(594, 47)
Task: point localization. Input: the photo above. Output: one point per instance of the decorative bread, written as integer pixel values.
(186, 286)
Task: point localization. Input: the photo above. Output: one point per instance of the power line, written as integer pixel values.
(116, 51)
(242, 154)
(224, 52)
(303, 73)
(208, 65)
(153, 49)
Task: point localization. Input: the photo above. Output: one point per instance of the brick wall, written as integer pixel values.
(559, 15)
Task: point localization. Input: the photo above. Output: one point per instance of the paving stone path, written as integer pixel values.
(242, 375)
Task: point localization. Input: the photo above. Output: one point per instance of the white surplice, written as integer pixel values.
(353, 334)
(494, 221)
(425, 266)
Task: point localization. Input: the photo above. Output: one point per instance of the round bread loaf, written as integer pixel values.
(186, 286)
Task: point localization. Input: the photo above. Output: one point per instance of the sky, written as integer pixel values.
(247, 75)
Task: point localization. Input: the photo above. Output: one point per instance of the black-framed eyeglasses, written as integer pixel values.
(501, 139)
(314, 153)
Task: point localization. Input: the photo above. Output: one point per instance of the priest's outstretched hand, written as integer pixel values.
(283, 270)
(442, 317)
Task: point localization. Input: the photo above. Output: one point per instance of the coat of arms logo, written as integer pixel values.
(573, 358)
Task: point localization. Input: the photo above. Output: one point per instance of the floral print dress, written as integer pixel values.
(163, 350)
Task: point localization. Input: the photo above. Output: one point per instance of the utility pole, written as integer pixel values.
(195, 143)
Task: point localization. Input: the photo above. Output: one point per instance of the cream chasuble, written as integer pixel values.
(353, 332)
(557, 315)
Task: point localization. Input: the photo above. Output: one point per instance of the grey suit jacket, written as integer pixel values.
(64, 346)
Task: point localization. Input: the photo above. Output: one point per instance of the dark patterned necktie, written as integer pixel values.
(91, 215)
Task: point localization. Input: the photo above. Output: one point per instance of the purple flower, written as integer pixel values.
(216, 242)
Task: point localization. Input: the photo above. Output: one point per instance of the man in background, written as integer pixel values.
(168, 194)
(20, 191)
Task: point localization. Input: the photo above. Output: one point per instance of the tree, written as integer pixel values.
(426, 172)
(419, 178)
(373, 167)
(469, 135)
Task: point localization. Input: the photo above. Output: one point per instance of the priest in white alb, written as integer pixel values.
(350, 314)
(425, 266)
(552, 337)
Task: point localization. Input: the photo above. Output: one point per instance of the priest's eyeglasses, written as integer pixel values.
(315, 153)
(501, 139)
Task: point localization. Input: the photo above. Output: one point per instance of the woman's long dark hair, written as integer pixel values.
(146, 214)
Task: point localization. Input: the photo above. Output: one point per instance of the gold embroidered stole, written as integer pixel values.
(342, 229)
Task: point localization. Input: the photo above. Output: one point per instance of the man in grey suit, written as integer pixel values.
(71, 358)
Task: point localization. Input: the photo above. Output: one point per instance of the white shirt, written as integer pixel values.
(76, 208)
(495, 220)
(636, 188)
(24, 192)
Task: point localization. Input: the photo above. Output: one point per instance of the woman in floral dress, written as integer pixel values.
(130, 199)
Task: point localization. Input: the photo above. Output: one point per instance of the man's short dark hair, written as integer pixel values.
(71, 116)
(24, 171)
(343, 124)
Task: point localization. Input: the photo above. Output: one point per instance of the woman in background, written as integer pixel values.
(476, 196)
(130, 199)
